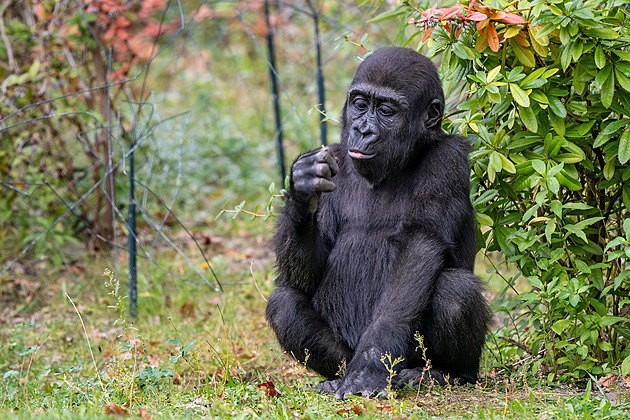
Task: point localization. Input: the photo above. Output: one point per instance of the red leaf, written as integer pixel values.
(122, 22)
(511, 18)
(450, 12)
(476, 16)
(493, 38)
(429, 13)
(427, 33)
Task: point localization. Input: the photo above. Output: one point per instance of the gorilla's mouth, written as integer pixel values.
(356, 154)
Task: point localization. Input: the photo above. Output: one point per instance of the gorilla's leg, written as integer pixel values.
(302, 332)
(454, 332)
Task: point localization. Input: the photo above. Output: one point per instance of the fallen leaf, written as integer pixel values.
(385, 408)
(187, 310)
(608, 381)
(269, 388)
(356, 409)
(115, 410)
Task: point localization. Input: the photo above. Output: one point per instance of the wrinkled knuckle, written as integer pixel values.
(323, 170)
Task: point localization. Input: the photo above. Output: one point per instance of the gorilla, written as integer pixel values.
(375, 244)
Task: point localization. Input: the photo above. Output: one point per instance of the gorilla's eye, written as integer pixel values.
(386, 110)
(360, 104)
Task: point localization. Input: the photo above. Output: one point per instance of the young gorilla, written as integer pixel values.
(376, 241)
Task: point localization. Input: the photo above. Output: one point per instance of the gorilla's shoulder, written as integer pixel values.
(451, 146)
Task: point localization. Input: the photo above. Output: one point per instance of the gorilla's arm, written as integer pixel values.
(301, 253)
(301, 256)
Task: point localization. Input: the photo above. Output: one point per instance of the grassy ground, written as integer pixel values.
(71, 351)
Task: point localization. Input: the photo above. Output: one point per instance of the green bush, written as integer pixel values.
(543, 91)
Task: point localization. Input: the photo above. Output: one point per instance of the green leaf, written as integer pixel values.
(609, 169)
(495, 161)
(524, 55)
(539, 166)
(557, 107)
(582, 129)
(389, 14)
(569, 158)
(572, 229)
(553, 144)
(624, 81)
(550, 229)
(493, 73)
(609, 131)
(560, 326)
(602, 76)
(536, 74)
(625, 366)
(484, 219)
(614, 126)
(539, 97)
(600, 57)
(528, 117)
(607, 321)
(507, 164)
(34, 69)
(464, 52)
(520, 96)
(608, 90)
(601, 33)
(576, 50)
(566, 57)
(588, 222)
(557, 123)
(568, 181)
(578, 206)
(556, 207)
(624, 147)
(545, 30)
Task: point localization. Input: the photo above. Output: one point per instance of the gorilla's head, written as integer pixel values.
(393, 107)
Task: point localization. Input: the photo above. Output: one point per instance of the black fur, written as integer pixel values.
(376, 241)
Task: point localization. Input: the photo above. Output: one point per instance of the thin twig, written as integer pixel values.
(87, 338)
(251, 270)
(517, 344)
(5, 38)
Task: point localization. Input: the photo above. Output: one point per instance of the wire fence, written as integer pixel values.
(114, 159)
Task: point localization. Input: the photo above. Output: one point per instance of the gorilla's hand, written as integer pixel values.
(366, 383)
(311, 174)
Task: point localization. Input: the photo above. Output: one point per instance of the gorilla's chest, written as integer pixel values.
(361, 263)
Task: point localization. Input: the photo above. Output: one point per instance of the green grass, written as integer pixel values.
(193, 352)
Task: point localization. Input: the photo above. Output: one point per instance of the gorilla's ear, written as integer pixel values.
(434, 113)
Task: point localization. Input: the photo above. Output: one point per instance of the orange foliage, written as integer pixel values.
(460, 18)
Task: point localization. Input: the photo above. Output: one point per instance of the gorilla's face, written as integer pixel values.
(394, 106)
(377, 137)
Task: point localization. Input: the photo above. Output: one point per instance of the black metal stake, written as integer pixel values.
(323, 131)
(133, 287)
(274, 91)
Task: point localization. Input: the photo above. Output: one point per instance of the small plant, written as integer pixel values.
(390, 363)
(426, 370)
(254, 214)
